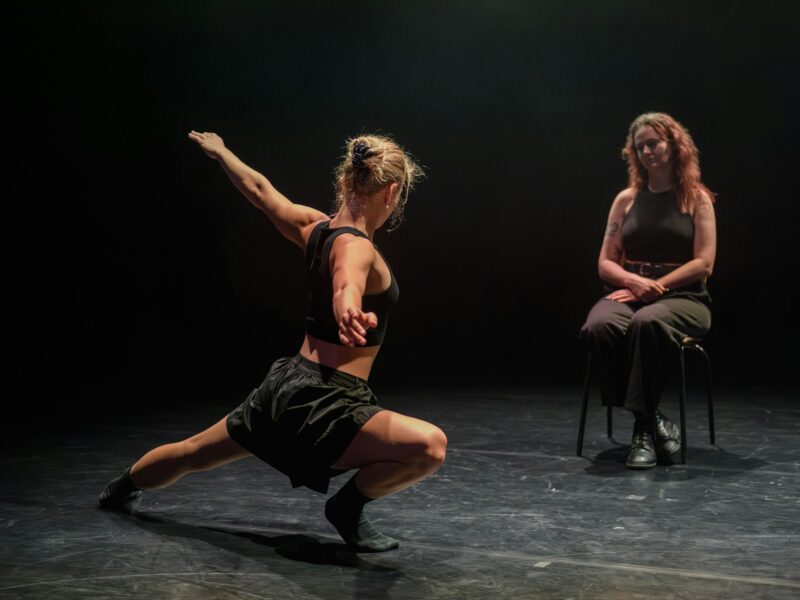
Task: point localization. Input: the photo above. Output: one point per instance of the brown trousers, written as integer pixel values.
(634, 344)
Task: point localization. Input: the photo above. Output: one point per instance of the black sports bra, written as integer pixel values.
(320, 321)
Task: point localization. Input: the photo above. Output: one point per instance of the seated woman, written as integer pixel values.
(658, 251)
(314, 416)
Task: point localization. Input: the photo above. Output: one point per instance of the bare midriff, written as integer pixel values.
(355, 361)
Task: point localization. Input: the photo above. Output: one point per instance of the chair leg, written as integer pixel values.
(584, 403)
(711, 431)
(609, 422)
(682, 408)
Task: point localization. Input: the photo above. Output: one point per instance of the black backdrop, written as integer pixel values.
(135, 272)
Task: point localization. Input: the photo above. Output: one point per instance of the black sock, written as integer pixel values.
(642, 424)
(120, 493)
(345, 511)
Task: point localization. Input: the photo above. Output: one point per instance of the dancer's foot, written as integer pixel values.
(120, 494)
(345, 511)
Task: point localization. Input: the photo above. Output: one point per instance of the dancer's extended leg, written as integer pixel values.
(166, 464)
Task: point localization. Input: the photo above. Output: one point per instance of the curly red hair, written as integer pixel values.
(685, 159)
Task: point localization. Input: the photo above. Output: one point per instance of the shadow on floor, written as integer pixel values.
(297, 547)
(701, 461)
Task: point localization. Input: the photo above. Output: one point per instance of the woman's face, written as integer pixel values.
(654, 153)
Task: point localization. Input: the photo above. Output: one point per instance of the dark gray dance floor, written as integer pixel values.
(513, 513)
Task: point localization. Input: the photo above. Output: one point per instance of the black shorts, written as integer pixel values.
(302, 418)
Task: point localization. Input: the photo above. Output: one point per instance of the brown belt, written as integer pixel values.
(648, 269)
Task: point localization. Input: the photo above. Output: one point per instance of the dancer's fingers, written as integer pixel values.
(370, 320)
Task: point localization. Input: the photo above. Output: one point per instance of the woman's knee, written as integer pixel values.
(603, 324)
(595, 329)
(430, 452)
(647, 317)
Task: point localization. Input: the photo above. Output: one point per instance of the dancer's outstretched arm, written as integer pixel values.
(289, 218)
(351, 260)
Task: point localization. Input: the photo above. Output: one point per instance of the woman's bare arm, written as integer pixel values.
(609, 264)
(705, 249)
(289, 218)
(351, 260)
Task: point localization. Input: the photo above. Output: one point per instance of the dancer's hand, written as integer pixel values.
(353, 326)
(210, 143)
(623, 295)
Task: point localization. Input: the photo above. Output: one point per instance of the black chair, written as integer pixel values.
(687, 343)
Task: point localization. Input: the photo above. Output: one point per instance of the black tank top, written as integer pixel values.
(654, 230)
(320, 321)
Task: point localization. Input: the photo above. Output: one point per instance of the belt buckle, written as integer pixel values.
(646, 269)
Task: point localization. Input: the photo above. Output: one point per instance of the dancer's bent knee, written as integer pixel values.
(429, 455)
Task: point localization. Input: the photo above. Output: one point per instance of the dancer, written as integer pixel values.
(657, 253)
(314, 416)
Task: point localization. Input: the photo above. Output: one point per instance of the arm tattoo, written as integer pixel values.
(612, 228)
(616, 253)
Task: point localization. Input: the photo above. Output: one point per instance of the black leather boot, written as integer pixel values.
(642, 454)
(668, 438)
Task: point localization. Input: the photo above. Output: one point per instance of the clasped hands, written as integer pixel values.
(639, 289)
(353, 326)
